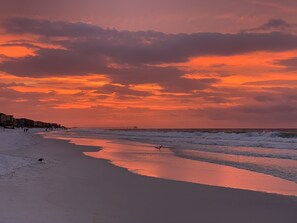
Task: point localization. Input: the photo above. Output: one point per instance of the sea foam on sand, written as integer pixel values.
(11, 141)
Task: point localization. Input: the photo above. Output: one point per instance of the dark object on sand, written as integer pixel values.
(40, 159)
(159, 147)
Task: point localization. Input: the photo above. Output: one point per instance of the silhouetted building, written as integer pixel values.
(39, 124)
(10, 121)
(7, 120)
(2, 119)
(23, 122)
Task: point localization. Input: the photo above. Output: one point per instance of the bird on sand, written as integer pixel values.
(159, 147)
(40, 160)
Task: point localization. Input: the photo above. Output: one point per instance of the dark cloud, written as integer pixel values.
(275, 25)
(53, 62)
(257, 108)
(148, 47)
(128, 57)
(290, 64)
(50, 29)
(145, 74)
(186, 85)
(122, 91)
(259, 114)
(287, 94)
(22, 44)
(278, 108)
(272, 82)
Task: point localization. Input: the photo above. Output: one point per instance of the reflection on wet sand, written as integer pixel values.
(145, 159)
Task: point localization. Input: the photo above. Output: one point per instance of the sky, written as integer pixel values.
(151, 64)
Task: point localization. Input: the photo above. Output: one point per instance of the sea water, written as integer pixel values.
(270, 152)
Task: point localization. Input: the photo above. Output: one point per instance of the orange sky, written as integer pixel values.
(80, 74)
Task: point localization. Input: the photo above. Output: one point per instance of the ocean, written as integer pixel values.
(267, 151)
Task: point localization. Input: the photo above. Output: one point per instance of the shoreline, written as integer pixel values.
(71, 187)
(144, 159)
(272, 153)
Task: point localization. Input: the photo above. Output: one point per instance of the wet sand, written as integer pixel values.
(145, 159)
(71, 187)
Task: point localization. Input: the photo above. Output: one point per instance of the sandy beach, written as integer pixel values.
(71, 187)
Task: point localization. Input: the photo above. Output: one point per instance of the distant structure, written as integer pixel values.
(2, 118)
(8, 121)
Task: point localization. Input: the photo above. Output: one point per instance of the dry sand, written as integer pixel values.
(71, 187)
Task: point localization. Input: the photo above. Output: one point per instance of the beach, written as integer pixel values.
(69, 186)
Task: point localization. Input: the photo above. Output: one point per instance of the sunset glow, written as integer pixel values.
(80, 72)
